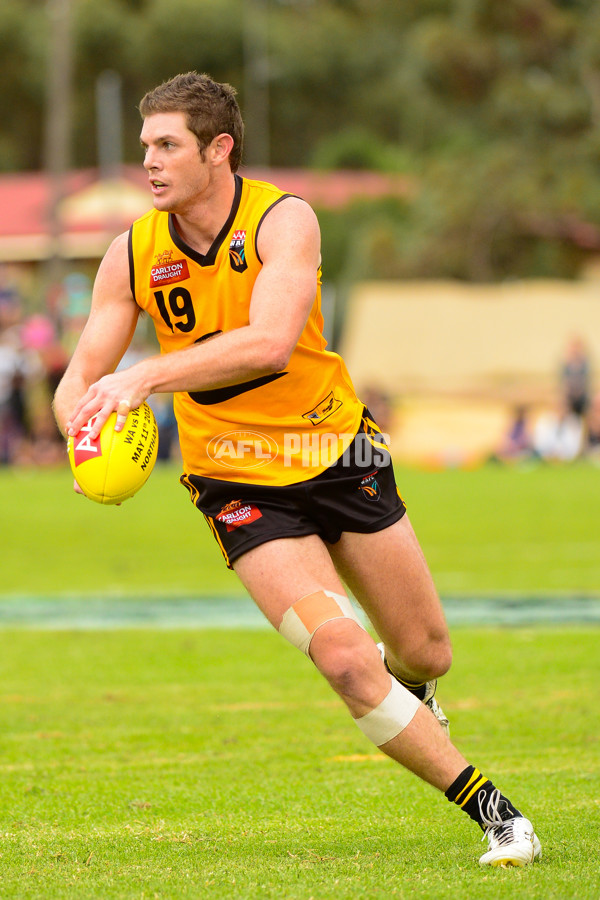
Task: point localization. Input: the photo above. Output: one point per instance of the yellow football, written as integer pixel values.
(116, 464)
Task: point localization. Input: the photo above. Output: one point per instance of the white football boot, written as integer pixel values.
(511, 842)
(429, 698)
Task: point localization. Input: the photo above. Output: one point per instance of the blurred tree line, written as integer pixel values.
(490, 107)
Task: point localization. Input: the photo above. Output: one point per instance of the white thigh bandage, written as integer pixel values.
(306, 616)
(391, 716)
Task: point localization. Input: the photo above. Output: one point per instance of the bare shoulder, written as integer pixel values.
(293, 211)
(114, 267)
(291, 223)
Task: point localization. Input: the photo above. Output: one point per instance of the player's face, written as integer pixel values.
(178, 174)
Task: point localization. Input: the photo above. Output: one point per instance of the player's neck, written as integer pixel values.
(200, 223)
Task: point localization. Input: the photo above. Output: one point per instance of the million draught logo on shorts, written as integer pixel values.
(238, 513)
(237, 251)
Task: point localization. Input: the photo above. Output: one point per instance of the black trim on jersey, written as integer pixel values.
(262, 218)
(208, 259)
(131, 264)
(219, 395)
(206, 336)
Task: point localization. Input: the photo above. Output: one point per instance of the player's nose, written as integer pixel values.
(150, 161)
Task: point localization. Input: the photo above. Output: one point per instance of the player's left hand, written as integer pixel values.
(120, 392)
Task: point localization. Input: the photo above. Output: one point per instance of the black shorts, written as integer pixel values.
(357, 493)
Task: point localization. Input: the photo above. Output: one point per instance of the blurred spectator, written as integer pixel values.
(12, 373)
(168, 434)
(39, 338)
(380, 406)
(74, 305)
(559, 435)
(517, 443)
(592, 435)
(576, 378)
(10, 297)
(32, 361)
(11, 401)
(46, 363)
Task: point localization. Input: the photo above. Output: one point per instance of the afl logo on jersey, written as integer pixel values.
(237, 251)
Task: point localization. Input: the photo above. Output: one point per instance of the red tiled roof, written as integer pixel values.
(326, 189)
(25, 198)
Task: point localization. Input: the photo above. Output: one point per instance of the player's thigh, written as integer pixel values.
(284, 573)
(279, 572)
(389, 576)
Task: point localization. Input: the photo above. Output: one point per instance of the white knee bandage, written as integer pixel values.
(391, 716)
(306, 616)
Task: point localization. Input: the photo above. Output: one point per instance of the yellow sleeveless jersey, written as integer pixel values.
(277, 429)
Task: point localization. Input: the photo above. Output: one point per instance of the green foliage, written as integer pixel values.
(349, 149)
(497, 102)
(23, 92)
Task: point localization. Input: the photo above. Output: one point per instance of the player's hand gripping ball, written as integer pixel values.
(116, 464)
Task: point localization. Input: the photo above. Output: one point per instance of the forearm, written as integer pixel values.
(227, 359)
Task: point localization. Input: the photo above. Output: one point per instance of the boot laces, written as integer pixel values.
(496, 828)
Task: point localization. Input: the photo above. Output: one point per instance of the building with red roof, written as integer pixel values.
(93, 210)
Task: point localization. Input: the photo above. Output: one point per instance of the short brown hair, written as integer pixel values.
(210, 109)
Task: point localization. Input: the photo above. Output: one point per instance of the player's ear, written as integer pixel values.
(220, 148)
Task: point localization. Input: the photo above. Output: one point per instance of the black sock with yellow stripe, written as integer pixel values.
(472, 792)
(419, 690)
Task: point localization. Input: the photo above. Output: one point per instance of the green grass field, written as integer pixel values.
(218, 764)
(493, 531)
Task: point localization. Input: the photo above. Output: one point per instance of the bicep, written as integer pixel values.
(285, 290)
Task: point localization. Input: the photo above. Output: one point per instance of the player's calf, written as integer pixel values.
(423, 661)
(424, 691)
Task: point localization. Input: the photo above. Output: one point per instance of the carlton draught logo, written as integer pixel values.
(242, 449)
(85, 447)
(238, 513)
(169, 272)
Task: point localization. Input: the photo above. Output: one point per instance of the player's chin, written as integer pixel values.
(162, 203)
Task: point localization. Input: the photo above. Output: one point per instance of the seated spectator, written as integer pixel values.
(13, 373)
(559, 436)
(576, 378)
(592, 434)
(517, 442)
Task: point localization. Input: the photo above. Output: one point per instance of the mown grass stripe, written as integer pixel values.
(89, 613)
